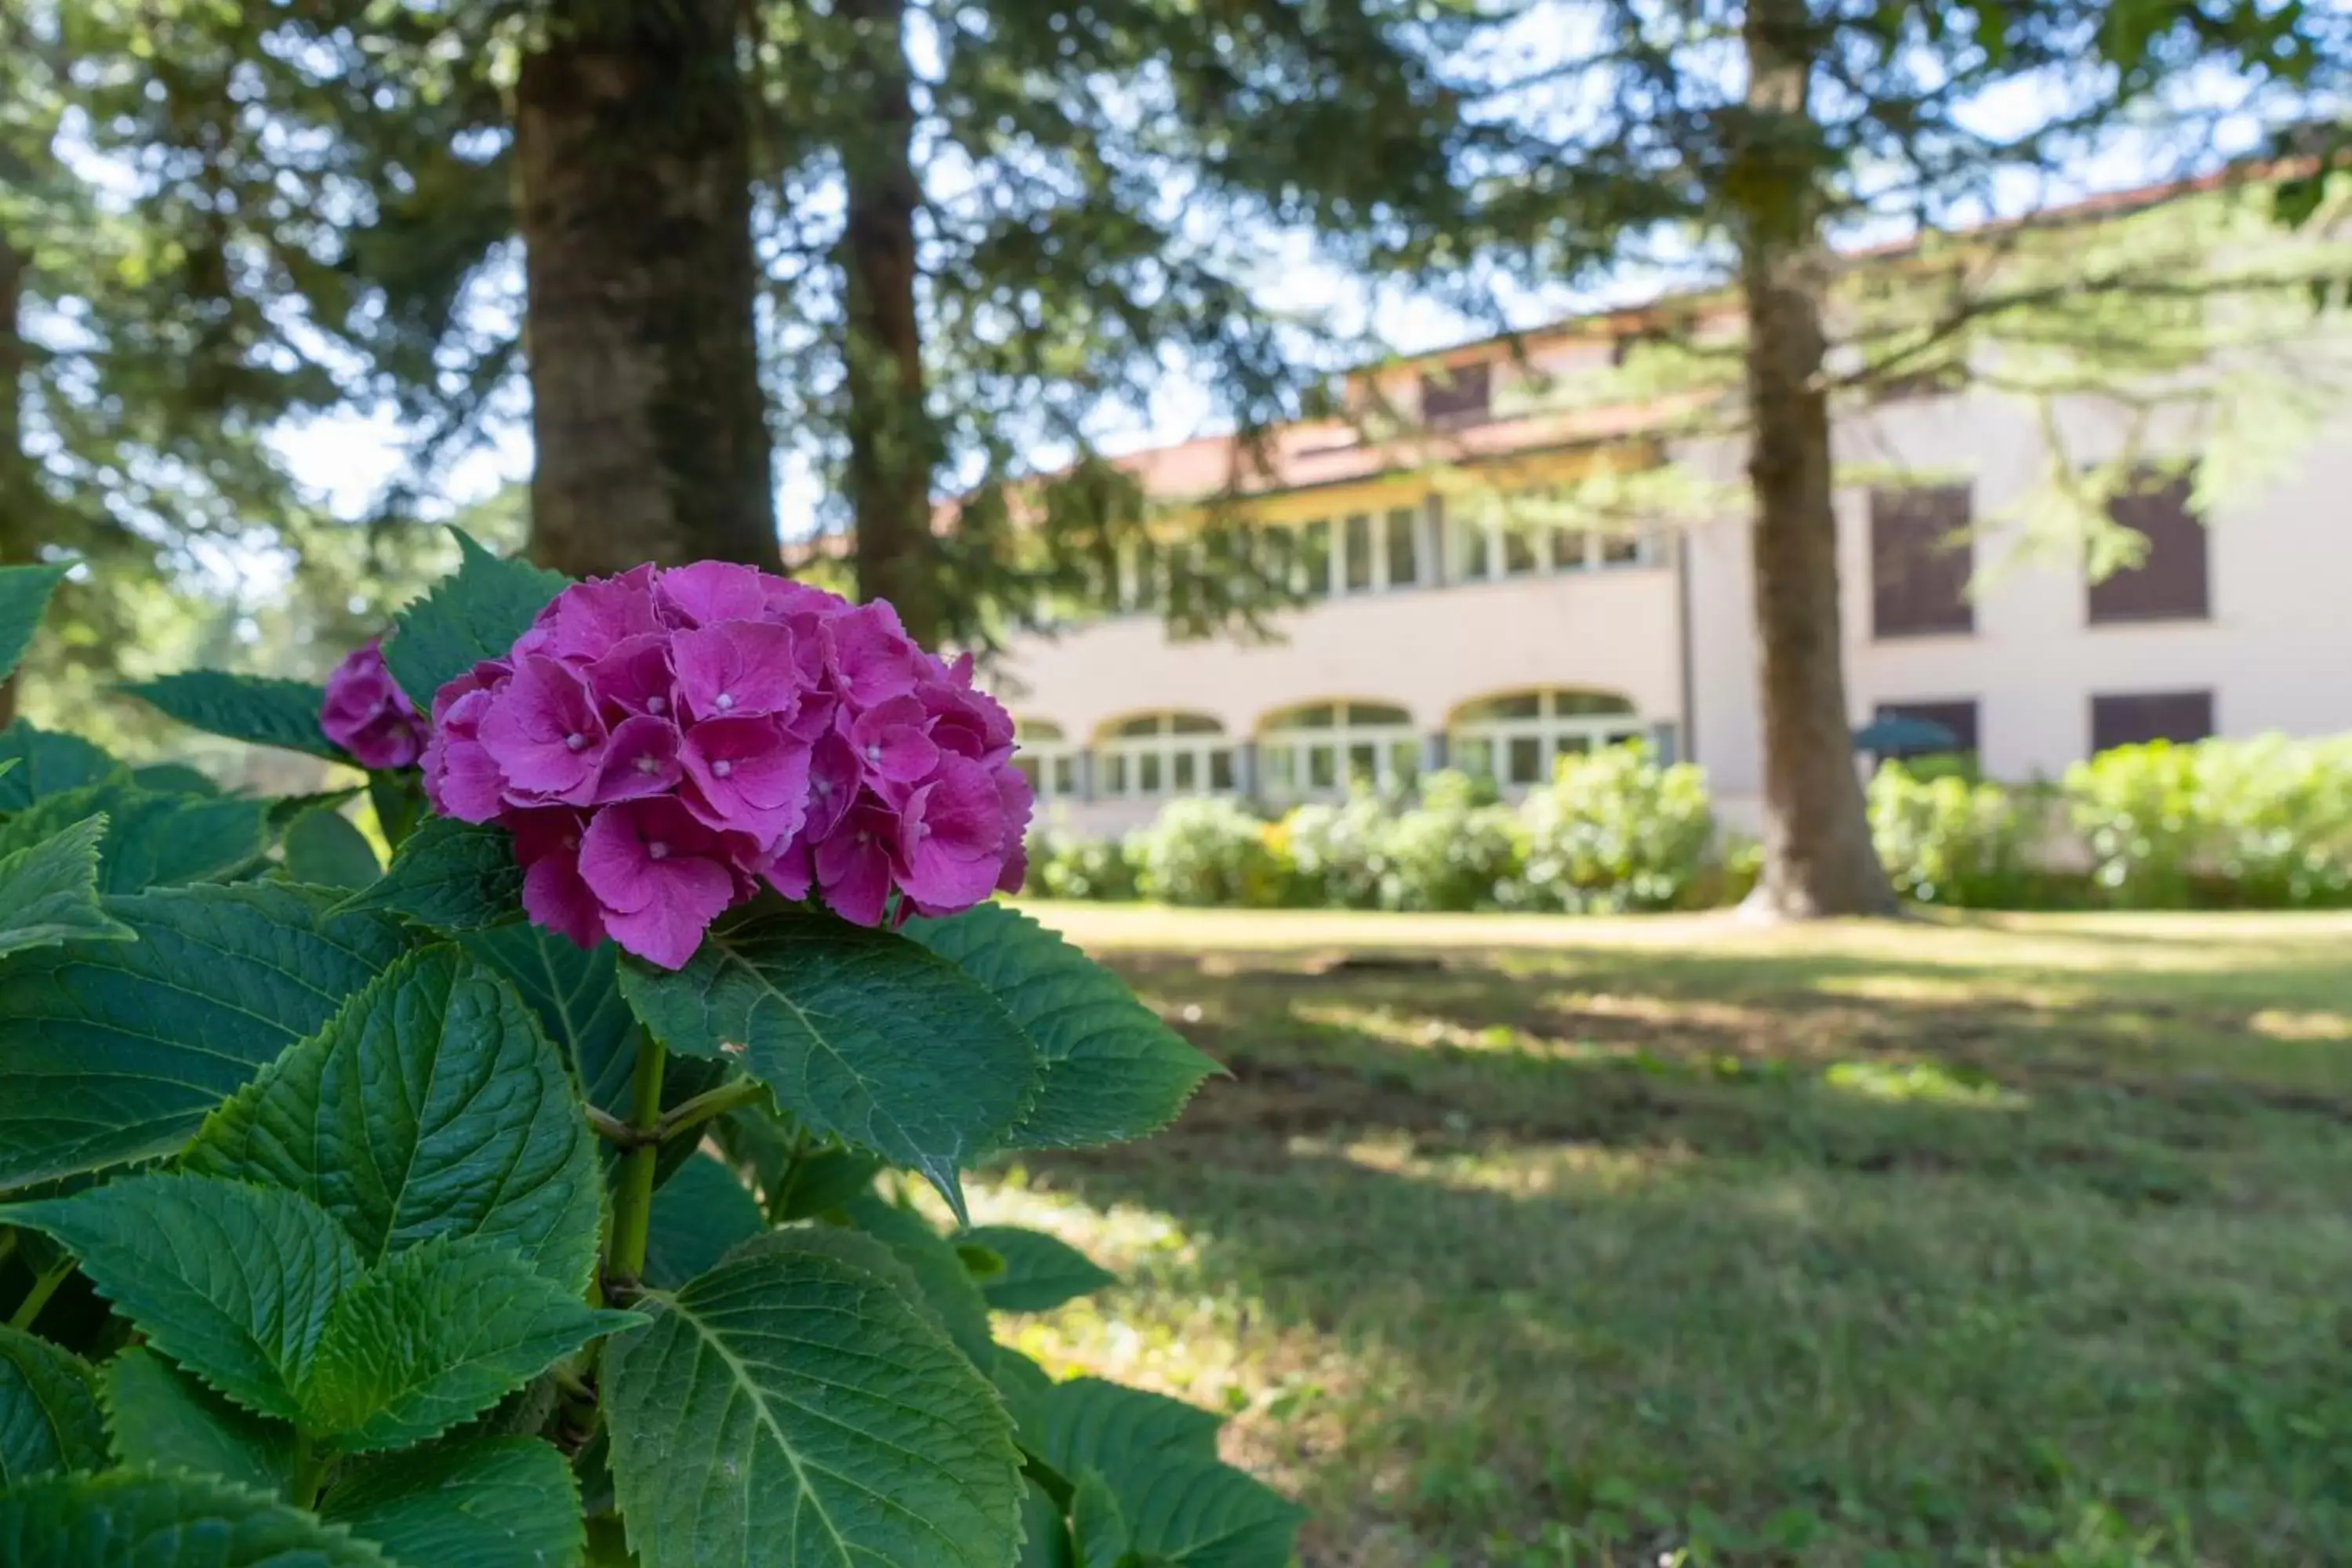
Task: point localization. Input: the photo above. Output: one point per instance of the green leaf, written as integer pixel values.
(24, 599)
(430, 1106)
(175, 778)
(435, 1337)
(859, 1033)
(789, 1407)
(1040, 1271)
(949, 1292)
(49, 1411)
(152, 840)
(232, 1282)
(48, 891)
(132, 1519)
(1045, 1537)
(699, 1215)
(1097, 1529)
(46, 764)
(477, 1503)
(1113, 1071)
(115, 1051)
(324, 851)
(473, 616)
(1087, 1423)
(459, 876)
(162, 1418)
(254, 709)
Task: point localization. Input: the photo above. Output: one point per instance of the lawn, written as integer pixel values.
(1519, 1241)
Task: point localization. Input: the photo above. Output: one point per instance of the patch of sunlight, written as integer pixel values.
(1423, 1031)
(1921, 1082)
(1962, 990)
(2281, 1025)
(1510, 1170)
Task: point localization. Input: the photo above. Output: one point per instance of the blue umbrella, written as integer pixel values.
(1891, 734)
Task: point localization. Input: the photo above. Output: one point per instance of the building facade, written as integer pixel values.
(1448, 632)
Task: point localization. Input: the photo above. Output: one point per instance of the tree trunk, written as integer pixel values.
(633, 152)
(1818, 859)
(893, 447)
(19, 496)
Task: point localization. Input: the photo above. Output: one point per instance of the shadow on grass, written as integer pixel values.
(1773, 1257)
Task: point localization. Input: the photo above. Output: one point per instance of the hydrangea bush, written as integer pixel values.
(548, 1196)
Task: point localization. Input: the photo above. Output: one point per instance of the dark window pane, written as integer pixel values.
(1920, 561)
(2170, 583)
(1958, 716)
(1187, 771)
(1356, 567)
(1147, 774)
(1114, 775)
(1148, 573)
(1066, 775)
(2136, 717)
(1568, 703)
(1149, 725)
(1621, 549)
(1526, 759)
(1315, 559)
(1322, 767)
(1455, 397)
(1477, 550)
(1376, 713)
(1404, 760)
(1363, 761)
(1525, 705)
(1402, 539)
(1193, 724)
(1221, 769)
(1280, 766)
(1518, 552)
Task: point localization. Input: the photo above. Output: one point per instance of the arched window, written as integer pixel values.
(1163, 754)
(1518, 739)
(1327, 748)
(1047, 760)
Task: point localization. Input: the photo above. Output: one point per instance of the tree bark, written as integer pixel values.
(893, 447)
(1818, 859)
(633, 152)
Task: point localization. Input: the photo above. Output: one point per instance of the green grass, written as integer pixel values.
(2017, 1240)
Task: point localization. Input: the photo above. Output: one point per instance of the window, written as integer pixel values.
(1457, 395)
(1518, 552)
(2169, 583)
(1489, 546)
(1958, 717)
(1163, 753)
(1918, 569)
(2135, 718)
(1046, 759)
(1333, 746)
(1401, 545)
(1518, 739)
(1315, 560)
(1355, 563)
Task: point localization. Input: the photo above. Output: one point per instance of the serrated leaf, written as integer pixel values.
(1040, 1271)
(471, 1502)
(285, 808)
(152, 840)
(1198, 1513)
(699, 1215)
(24, 599)
(175, 778)
(1044, 1535)
(1087, 1423)
(789, 1407)
(49, 1411)
(1111, 1070)
(232, 1282)
(950, 1294)
(134, 1519)
(324, 851)
(46, 764)
(459, 876)
(1098, 1533)
(431, 1105)
(859, 1033)
(115, 1051)
(437, 1336)
(474, 614)
(48, 891)
(257, 710)
(162, 1418)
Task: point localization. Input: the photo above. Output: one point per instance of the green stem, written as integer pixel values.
(633, 1198)
(45, 1285)
(709, 1103)
(7, 1246)
(309, 1470)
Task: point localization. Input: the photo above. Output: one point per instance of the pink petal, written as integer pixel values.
(640, 759)
(711, 590)
(667, 931)
(737, 669)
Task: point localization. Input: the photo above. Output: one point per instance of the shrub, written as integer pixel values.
(1453, 851)
(1338, 854)
(2136, 811)
(1949, 839)
(650, 1194)
(1071, 867)
(1616, 831)
(1208, 852)
(2275, 819)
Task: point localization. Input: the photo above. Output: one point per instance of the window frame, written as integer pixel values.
(1121, 760)
(1285, 751)
(1553, 734)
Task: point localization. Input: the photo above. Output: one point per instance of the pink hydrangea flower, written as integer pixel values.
(663, 744)
(368, 715)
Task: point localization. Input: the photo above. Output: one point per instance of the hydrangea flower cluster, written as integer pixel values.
(662, 742)
(368, 715)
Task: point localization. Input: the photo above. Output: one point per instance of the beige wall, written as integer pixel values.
(2273, 651)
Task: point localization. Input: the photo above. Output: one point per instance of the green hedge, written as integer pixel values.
(2260, 824)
